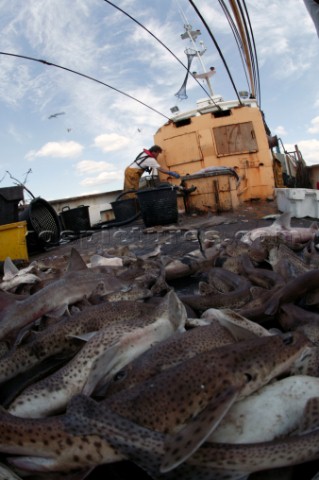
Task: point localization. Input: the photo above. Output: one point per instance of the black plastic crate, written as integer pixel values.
(76, 219)
(9, 201)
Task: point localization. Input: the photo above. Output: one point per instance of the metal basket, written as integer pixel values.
(42, 224)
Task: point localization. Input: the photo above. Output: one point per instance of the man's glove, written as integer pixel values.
(174, 174)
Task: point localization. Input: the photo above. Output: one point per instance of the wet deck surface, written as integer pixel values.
(178, 238)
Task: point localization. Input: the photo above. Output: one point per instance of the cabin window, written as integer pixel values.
(183, 122)
(221, 113)
(236, 138)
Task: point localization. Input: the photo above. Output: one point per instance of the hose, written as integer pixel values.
(111, 223)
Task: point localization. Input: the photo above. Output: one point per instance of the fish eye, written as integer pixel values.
(288, 339)
(248, 377)
(119, 376)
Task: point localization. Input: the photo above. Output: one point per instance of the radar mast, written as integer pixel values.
(191, 53)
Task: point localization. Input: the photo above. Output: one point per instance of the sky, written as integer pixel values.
(99, 130)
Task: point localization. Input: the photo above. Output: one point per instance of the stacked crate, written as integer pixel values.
(12, 232)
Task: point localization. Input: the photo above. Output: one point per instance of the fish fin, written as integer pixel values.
(310, 419)
(272, 305)
(101, 368)
(10, 270)
(176, 309)
(84, 336)
(284, 221)
(34, 463)
(272, 308)
(183, 444)
(241, 328)
(58, 312)
(76, 262)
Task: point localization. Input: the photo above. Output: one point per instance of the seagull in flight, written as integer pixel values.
(55, 115)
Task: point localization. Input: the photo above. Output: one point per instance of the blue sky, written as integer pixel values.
(86, 149)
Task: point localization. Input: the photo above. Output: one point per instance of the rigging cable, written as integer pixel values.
(165, 46)
(45, 62)
(218, 49)
(255, 53)
(250, 50)
(236, 36)
(240, 24)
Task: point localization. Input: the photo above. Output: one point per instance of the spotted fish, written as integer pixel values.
(253, 457)
(237, 295)
(13, 277)
(170, 352)
(190, 399)
(281, 228)
(89, 435)
(63, 337)
(102, 356)
(75, 284)
(223, 327)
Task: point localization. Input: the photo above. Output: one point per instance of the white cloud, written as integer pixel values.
(309, 150)
(280, 130)
(103, 44)
(292, 46)
(91, 166)
(315, 125)
(57, 149)
(109, 142)
(105, 177)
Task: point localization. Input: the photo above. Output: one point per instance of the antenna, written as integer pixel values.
(192, 36)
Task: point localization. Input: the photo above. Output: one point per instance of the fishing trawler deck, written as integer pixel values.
(178, 239)
(180, 236)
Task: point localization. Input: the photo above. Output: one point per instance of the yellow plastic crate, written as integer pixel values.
(13, 242)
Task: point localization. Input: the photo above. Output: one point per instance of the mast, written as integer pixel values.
(192, 36)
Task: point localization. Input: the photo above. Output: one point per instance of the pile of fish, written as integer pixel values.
(107, 359)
